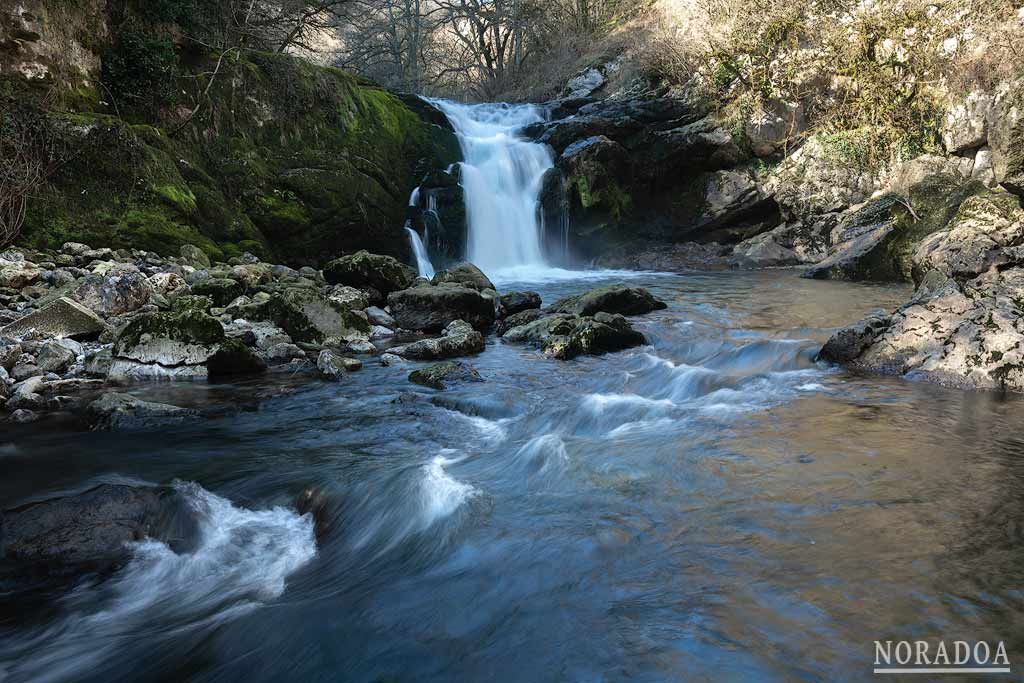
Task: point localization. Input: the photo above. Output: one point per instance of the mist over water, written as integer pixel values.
(502, 176)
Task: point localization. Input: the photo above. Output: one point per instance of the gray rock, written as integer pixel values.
(55, 357)
(442, 375)
(465, 274)
(432, 308)
(850, 342)
(61, 318)
(97, 363)
(965, 126)
(458, 339)
(123, 412)
(195, 256)
(378, 316)
(363, 269)
(122, 289)
(517, 302)
(610, 299)
(23, 416)
(334, 365)
(27, 394)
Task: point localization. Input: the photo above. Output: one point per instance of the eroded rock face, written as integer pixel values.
(432, 308)
(1006, 136)
(812, 181)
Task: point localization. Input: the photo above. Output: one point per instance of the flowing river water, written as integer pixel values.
(713, 506)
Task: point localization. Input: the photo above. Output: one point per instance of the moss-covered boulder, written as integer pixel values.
(465, 274)
(363, 269)
(610, 299)
(309, 317)
(443, 375)
(220, 290)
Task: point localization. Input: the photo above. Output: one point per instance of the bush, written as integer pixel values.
(139, 70)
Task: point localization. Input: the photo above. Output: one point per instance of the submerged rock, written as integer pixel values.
(116, 412)
(443, 375)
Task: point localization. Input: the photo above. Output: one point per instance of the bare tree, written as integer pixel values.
(27, 160)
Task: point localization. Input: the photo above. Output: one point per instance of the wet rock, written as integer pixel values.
(465, 274)
(282, 353)
(443, 375)
(363, 269)
(27, 394)
(122, 289)
(389, 359)
(19, 274)
(611, 299)
(850, 342)
(26, 367)
(458, 339)
(604, 333)
(378, 316)
(517, 320)
(97, 363)
(430, 308)
(333, 364)
(351, 298)
(123, 412)
(23, 416)
(90, 531)
(10, 352)
(517, 302)
(61, 318)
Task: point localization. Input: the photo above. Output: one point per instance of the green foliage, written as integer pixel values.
(139, 70)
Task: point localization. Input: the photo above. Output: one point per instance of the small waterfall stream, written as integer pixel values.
(502, 176)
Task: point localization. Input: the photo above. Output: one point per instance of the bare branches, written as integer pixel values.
(27, 160)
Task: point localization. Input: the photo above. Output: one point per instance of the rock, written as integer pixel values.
(363, 269)
(516, 320)
(775, 126)
(432, 308)
(850, 342)
(18, 275)
(351, 298)
(195, 256)
(443, 375)
(540, 329)
(604, 333)
(919, 169)
(814, 180)
(53, 356)
(378, 316)
(982, 170)
(189, 345)
(221, 291)
(90, 531)
(1006, 136)
(75, 248)
(25, 368)
(306, 316)
(121, 290)
(465, 274)
(458, 339)
(10, 352)
(191, 302)
(982, 234)
(389, 359)
(334, 365)
(23, 416)
(610, 299)
(27, 394)
(169, 285)
(966, 335)
(584, 83)
(282, 353)
(120, 412)
(517, 302)
(97, 364)
(965, 126)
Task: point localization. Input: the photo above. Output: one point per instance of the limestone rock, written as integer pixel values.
(432, 308)
(465, 274)
(363, 269)
(122, 289)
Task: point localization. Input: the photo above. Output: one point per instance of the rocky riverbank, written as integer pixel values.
(80, 324)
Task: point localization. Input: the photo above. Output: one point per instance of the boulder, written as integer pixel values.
(850, 342)
(27, 394)
(465, 274)
(351, 298)
(430, 308)
(1006, 136)
(121, 412)
(91, 531)
(169, 285)
(966, 123)
(517, 302)
(306, 316)
(97, 363)
(56, 357)
(333, 364)
(19, 274)
(442, 375)
(610, 299)
(220, 290)
(458, 339)
(122, 289)
(774, 126)
(517, 320)
(363, 269)
(815, 180)
(604, 333)
(378, 316)
(194, 256)
(60, 318)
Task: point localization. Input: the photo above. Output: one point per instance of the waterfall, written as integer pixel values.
(423, 264)
(501, 176)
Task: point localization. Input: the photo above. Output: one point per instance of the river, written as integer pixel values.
(712, 506)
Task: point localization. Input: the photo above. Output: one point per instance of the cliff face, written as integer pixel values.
(241, 151)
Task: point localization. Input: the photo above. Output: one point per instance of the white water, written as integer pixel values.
(501, 176)
(423, 264)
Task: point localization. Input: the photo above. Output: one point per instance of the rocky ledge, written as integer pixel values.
(80, 324)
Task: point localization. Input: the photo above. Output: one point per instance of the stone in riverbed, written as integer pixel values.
(92, 531)
(122, 412)
(430, 308)
(61, 318)
(517, 302)
(56, 357)
(120, 290)
(306, 316)
(517, 320)
(465, 274)
(458, 339)
(442, 375)
(363, 269)
(850, 342)
(221, 291)
(611, 299)
(604, 333)
(334, 365)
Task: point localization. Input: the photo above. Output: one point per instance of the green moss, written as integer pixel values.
(181, 199)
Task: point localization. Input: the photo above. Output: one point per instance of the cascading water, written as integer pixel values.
(419, 249)
(502, 176)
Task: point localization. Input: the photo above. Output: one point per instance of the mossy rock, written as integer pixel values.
(234, 359)
(309, 317)
(363, 269)
(221, 291)
(188, 328)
